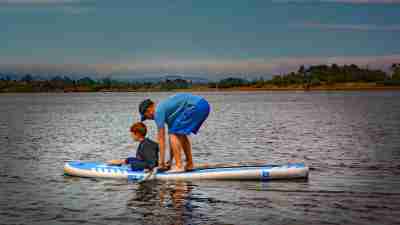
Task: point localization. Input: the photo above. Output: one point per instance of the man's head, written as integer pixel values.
(138, 131)
(146, 110)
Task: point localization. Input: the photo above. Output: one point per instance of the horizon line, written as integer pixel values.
(203, 67)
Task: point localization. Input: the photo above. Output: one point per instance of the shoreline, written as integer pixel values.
(203, 88)
(219, 90)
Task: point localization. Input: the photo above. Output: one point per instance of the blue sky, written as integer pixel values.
(213, 38)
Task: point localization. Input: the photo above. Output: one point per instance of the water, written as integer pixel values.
(351, 141)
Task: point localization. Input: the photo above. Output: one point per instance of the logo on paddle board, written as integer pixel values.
(264, 174)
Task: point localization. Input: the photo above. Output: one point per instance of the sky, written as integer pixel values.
(210, 38)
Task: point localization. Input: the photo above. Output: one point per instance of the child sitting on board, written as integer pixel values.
(146, 153)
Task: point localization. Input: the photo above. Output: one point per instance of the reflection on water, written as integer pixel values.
(162, 202)
(351, 140)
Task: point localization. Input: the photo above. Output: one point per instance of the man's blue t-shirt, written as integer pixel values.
(168, 110)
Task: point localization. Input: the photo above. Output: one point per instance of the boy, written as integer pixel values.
(146, 153)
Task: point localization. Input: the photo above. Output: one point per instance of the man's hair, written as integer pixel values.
(139, 128)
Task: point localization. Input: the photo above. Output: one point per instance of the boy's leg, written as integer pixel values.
(187, 149)
(176, 148)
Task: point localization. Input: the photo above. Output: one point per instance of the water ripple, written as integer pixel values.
(350, 141)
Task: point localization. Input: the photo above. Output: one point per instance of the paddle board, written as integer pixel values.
(262, 173)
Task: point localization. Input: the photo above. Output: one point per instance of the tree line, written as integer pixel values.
(28, 83)
(330, 75)
(306, 78)
(318, 75)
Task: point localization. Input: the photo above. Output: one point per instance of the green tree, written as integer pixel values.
(277, 80)
(301, 70)
(396, 71)
(315, 82)
(232, 82)
(258, 83)
(27, 78)
(107, 82)
(86, 81)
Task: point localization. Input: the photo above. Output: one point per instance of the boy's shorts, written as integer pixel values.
(135, 163)
(191, 119)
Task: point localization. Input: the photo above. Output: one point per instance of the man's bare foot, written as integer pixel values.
(175, 169)
(189, 166)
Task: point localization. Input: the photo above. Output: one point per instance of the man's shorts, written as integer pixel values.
(191, 119)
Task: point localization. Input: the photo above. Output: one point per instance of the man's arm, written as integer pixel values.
(116, 162)
(161, 143)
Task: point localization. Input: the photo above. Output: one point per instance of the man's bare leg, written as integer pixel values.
(176, 147)
(170, 160)
(187, 149)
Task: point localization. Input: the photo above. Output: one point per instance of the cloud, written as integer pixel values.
(38, 68)
(212, 69)
(65, 6)
(256, 66)
(340, 1)
(33, 2)
(350, 27)
(75, 10)
(366, 1)
(275, 1)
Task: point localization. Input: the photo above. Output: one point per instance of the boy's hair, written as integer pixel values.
(139, 128)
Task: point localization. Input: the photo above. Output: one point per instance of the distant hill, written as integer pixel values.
(128, 77)
(39, 77)
(194, 79)
(156, 79)
(9, 76)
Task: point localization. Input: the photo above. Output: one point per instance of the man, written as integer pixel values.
(184, 114)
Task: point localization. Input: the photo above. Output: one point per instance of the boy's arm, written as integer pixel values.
(161, 143)
(116, 161)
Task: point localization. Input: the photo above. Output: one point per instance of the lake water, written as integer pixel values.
(350, 140)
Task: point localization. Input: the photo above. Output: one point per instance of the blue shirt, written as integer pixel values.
(168, 110)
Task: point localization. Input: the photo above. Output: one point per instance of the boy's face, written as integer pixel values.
(136, 136)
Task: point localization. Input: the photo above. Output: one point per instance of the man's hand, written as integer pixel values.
(169, 163)
(162, 165)
(115, 162)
